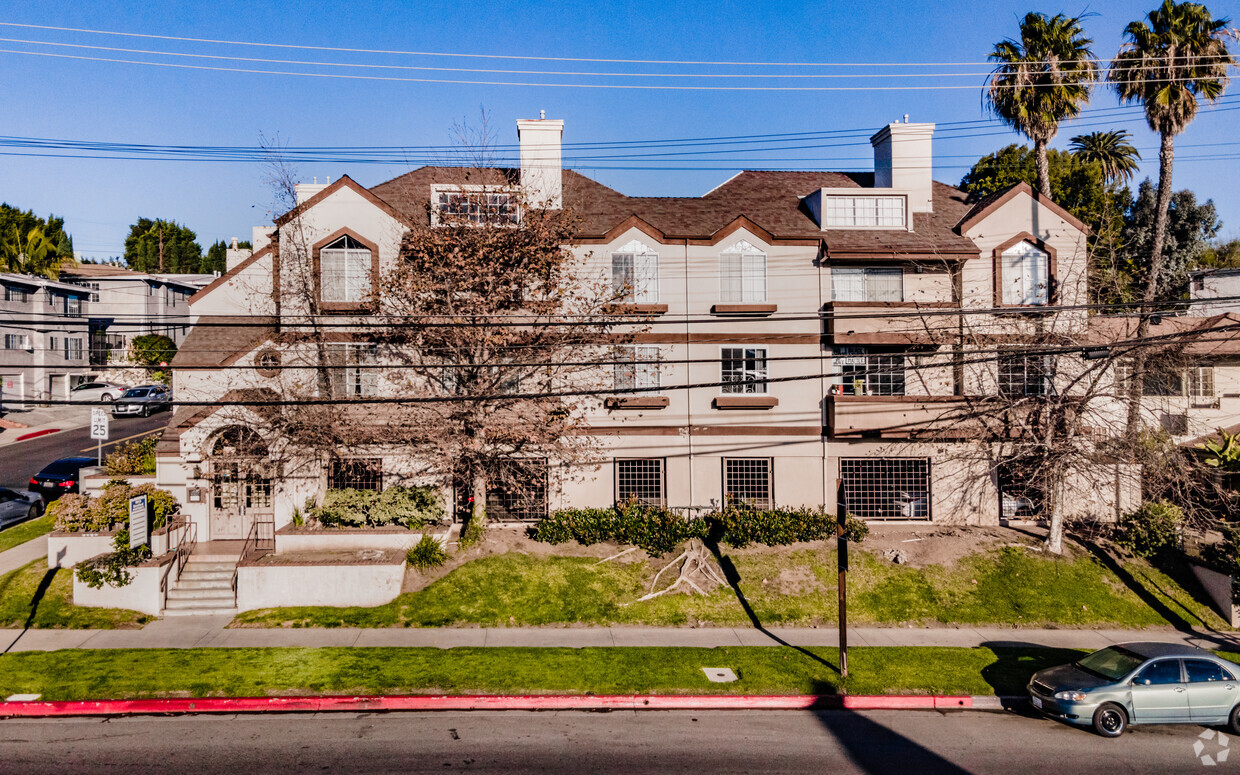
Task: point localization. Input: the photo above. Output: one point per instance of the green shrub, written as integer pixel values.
(75, 513)
(133, 459)
(470, 535)
(427, 553)
(1150, 529)
(113, 568)
(659, 530)
(410, 507)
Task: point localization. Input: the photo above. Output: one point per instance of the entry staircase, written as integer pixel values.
(205, 586)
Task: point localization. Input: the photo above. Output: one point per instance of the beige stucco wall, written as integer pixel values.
(271, 586)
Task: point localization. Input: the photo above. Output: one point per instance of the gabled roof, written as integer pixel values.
(220, 340)
(344, 181)
(989, 204)
(772, 201)
(231, 273)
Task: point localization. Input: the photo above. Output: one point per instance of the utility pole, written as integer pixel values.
(841, 514)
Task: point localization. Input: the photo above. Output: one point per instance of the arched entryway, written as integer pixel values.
(239, 470)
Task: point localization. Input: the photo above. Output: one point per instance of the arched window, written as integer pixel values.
(1024, 274)
(240, 475)
(742, 274)
(635, 273)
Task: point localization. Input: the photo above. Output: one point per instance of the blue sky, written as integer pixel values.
(76, 99)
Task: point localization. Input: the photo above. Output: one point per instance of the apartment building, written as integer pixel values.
(825, 320)
(125, 304)
(45, 334)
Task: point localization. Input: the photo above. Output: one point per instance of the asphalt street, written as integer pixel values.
(629, 742)
(21, 460)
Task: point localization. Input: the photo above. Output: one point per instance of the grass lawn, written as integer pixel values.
(53, 606)
(125, 674)
(1010, 586)
(25, 531)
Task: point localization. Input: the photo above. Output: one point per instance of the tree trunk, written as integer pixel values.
(1166, 155)
(1044, 167)
(1054, 504)
(478, 493)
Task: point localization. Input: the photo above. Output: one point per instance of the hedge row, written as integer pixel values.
(659, 530)
(410, 507)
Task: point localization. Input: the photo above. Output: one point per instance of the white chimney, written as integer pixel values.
(306, 190)
(235, 254)
(903, 160)
(541, 161)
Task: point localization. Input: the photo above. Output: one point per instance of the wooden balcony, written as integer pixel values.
(889, 323)
(899, 417)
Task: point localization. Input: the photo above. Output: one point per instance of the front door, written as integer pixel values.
(240, 493)
(1159, 695)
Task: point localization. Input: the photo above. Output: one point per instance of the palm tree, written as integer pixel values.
(1042, 79)
(32, 253)
(1109, 150)
(1167, 65)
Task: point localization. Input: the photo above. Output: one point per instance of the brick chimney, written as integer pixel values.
(541, 165)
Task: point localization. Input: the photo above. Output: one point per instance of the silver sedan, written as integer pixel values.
(1140, 683)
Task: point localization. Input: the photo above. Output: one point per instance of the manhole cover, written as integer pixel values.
(719, 675)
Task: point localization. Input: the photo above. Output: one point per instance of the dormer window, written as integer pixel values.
(635, 274)
(851, 212)
(1024, 275)
(477, 205)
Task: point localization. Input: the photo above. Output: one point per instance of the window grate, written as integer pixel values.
(887, 488)
(641, 479)
(517, 494)
(1024, 375)
(743, 369)
(356, 474)
(747, 481)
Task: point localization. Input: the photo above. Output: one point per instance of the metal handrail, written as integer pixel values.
(256, 545)
(183, 547)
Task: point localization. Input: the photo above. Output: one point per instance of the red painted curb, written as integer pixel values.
(36, 434)
(478, 702)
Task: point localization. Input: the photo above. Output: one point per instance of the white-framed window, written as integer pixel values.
(845, 212)
(860, 373)
(351, 371)
(13, 293)
(344, 269)
(877, 283)
(73, 349)
(743, 369)
(1025, 273)
(1201, 382)
(641, 480)
(742, 274)
(635, 274)
(73, 306)
(1024, 375)
(477, 205)
(637, 366)
(747, 481)
(17, 341)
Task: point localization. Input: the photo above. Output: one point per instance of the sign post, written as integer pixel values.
(99, 428)
(138, 523)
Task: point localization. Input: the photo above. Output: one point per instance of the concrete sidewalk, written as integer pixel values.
(43, 418)
(23, 554)
(211, 632)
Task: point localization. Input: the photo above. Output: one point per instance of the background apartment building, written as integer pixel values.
(45, 336)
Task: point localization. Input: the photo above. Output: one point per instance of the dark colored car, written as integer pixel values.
(59, 477)
(18, 505)
(1140, 683)
(144, 400)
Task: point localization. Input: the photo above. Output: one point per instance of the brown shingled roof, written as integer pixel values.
(218, 340)
(773, 201)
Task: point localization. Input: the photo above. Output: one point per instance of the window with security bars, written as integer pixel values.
(1024, 375)
(844, 212)
(635, 274)
(344, 271)
(1019, 493)
(13, 293)
(518, 493)
(355, 474)
(636, 367)
(873, 374)
(867, 283)
(641, 480)
(748, 482)
(743, 369)
(742, 274)
(351, 373)
(887, 488)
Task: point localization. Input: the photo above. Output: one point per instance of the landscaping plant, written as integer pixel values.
(410, 507)
(427, 553)
(1150, 529)
(113, 568)
(137, 458)
(76, 513)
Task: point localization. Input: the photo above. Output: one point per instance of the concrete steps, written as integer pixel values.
(204, 588)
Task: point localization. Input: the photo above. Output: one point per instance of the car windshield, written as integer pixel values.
(1113, 662)
(136, 393)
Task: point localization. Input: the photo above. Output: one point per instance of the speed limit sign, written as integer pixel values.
(98, 423)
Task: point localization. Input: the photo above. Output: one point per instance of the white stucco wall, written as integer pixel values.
(274, 586)
(141, 594)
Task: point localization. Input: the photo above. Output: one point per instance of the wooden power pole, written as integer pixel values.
(841, 514)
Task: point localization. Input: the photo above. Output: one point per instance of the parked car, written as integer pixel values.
(1140, 683)
(19, 505)
(97, 391)
(60, 477)
(143, 400)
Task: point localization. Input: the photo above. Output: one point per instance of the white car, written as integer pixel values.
(96, 391)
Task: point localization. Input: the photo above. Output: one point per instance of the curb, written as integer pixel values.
(36, 434)
(481, 702)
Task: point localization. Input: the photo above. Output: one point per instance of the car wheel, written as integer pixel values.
(1110, 720)
(1233, 721)
(33, 513)
(105, 397)
(146, 411)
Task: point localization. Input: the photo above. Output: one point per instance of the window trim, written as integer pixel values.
(317, 269)
(826, 224)
(740, 249)
(766, 360)
(637, 249)
(1052, 271)
(510, 191)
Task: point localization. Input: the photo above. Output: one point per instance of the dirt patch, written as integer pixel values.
(796, 581)
(924, 545)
